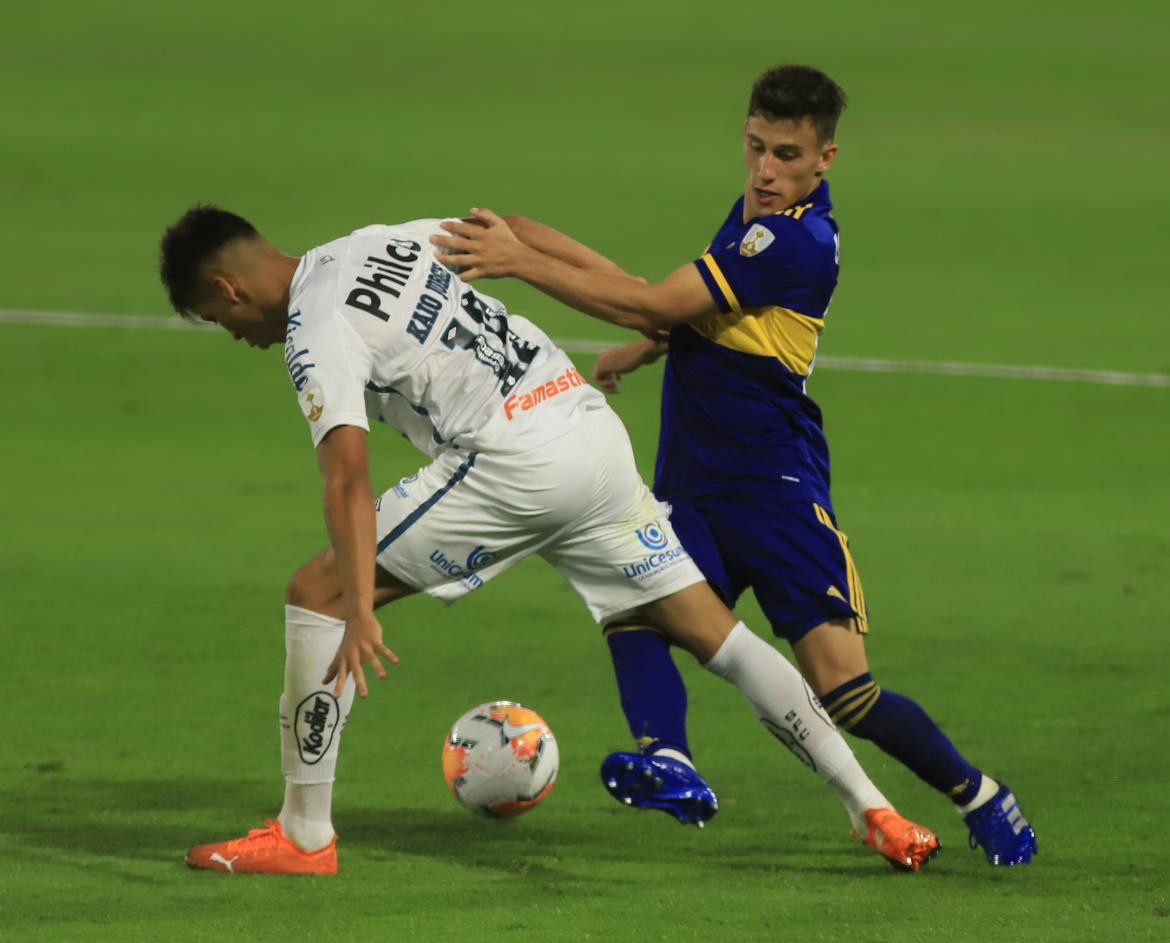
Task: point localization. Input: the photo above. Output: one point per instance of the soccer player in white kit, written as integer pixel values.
(526, 458)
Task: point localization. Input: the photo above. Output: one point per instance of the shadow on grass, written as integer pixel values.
(532, 848)
(136, 818)
(591, 845)
(158, 819)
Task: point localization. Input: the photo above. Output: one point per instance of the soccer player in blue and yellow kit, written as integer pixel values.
(742, 456)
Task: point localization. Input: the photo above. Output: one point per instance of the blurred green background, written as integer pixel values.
(1002, 196)
(1001, 187)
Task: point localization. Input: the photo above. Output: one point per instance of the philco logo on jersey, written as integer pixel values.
(316, 725)
(758, 238)
(555, 387)
(386, 276)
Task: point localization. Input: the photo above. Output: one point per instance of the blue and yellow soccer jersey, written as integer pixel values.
(734, 409)
(741, 454)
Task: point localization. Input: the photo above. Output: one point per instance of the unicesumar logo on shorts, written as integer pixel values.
(652, 536)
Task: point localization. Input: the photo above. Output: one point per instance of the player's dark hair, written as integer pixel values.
(191, 242)
(797, 92)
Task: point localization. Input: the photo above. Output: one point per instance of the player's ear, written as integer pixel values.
(828, 155)
(226, 288)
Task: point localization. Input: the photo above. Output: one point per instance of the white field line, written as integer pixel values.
(573, 346)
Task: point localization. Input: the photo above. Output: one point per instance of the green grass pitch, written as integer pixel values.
(1002, 196)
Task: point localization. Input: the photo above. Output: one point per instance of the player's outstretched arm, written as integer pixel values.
(552, 242)
(489, 249)
(349, 517)
(614, 363)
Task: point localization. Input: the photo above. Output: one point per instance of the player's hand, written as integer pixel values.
(361, 644)
(484, 245)
(450, 258)
(614, 363)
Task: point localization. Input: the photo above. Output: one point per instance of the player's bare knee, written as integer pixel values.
(297, 591)
(693, 618)
(831, 654)
(315, 585)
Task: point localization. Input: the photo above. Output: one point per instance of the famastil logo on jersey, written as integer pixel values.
(315, 726)
(562, 383)
(758, 238)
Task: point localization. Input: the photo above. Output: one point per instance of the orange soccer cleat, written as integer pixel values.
(263, 851)
(905, 844)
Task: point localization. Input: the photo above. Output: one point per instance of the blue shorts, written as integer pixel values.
(789, 552)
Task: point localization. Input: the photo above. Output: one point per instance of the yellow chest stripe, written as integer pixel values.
(787, 335)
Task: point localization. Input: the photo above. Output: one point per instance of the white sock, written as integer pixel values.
(311, 721)
(305, 817)
(791, 712)
(988, 787)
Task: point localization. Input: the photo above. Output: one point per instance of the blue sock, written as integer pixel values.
(653, 696)
(905, 731)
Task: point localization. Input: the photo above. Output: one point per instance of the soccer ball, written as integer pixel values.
(500, 759)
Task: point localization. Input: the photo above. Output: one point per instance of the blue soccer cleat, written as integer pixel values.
(1000, 829)
(649, 781)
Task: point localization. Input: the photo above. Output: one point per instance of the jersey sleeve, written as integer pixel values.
(328, 364)
(770, 265)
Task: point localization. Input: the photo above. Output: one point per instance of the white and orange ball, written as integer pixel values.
(500, 759)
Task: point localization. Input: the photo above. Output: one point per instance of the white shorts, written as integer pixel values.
(577, 501)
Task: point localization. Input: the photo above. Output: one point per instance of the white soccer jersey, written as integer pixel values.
(379, 328)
